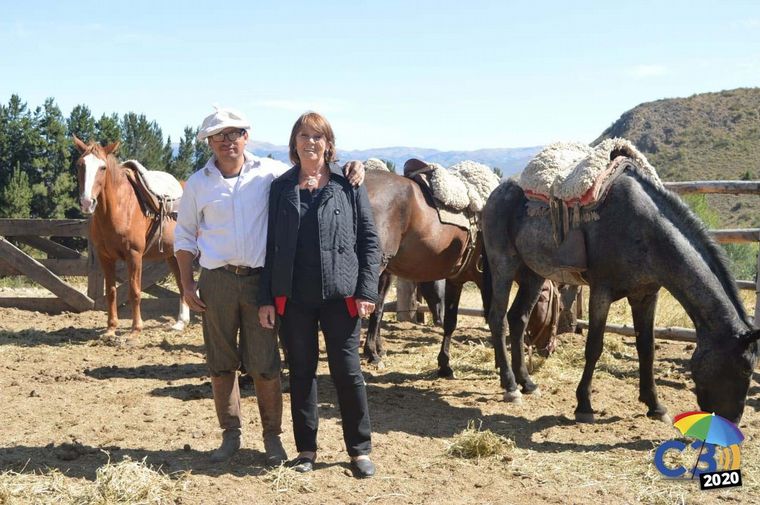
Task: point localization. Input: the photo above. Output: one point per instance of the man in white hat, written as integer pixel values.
(223, 218)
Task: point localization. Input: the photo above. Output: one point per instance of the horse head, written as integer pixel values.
(722, 375)
(91, 170)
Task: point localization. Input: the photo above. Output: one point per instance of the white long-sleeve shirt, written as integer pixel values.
(225, 220)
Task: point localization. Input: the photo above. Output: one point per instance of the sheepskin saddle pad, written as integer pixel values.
(579, 174)
(375, 164)
(465, 186)
(155, 188)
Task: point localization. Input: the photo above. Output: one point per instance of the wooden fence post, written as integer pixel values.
(406, 300)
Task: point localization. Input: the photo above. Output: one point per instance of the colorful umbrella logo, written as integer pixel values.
(709, 428)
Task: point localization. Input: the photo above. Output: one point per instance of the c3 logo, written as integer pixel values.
(712, 458)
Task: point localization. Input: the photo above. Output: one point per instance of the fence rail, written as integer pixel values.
(63, 261)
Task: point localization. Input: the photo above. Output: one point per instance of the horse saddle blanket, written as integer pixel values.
(567, 181)
(458, 193)
(577, 174)
(446, 214)
(159, 192)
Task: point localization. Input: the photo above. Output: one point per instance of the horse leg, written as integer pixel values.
(568, 321)
(373, 343)
(501, 275)
(134, 266)
(518, 317)
(598, 308)
(453, 293)
(642, 310)
(109, 274)
(434, 293)
(183, 316)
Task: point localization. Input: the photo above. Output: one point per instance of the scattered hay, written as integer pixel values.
(125, 483)
(286, 480)
(473, 443)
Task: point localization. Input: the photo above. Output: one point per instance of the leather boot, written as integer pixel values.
(269, 398)
(227, 403)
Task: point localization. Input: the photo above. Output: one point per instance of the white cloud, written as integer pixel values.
(644, 71)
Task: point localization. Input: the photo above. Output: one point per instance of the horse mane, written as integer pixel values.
(710, 251)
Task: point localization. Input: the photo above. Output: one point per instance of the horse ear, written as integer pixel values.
(81, 146)
(111, 148)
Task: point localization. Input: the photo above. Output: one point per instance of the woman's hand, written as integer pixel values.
(266, 316)
(365, 307)
(354, 171)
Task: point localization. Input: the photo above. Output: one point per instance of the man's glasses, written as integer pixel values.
(231, 136)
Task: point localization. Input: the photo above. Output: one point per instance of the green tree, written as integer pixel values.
(53, 184)
(18, 139)
(181, 166)
(81, 123)
(107, 129)
(202, 153)
(143, 141)
(16, 196)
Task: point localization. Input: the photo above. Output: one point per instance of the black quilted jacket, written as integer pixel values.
(349, 245)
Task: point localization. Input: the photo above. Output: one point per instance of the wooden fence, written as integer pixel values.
(61, 262)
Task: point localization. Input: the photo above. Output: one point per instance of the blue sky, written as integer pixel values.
(440, 74)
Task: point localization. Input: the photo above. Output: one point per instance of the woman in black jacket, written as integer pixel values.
(321, 270)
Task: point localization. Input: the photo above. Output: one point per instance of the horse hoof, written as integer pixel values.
(664, 417)
(179, 326)
(380, 365)
(534, 391)
(513, 397)
(584, 417)
(445, 373)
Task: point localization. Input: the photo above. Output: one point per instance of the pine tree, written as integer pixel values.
(143, 141)
(202, 153)
(81, 123)
(182, 165)
(53, 186)
(107, 129)
(16, 196)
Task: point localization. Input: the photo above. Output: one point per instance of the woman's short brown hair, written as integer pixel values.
(320, 124)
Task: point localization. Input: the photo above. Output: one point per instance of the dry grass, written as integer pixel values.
(474, 443)
(282, 479)
(125, 483)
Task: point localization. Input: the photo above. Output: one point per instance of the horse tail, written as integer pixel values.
(486, 289)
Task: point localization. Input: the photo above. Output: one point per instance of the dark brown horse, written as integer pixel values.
(119, 229)
(416, 246)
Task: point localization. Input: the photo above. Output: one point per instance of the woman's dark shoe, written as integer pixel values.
(302, 464)
(362, 468)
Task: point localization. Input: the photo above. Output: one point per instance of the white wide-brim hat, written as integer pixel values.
(220, 120)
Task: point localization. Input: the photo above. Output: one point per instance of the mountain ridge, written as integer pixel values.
(509, 160)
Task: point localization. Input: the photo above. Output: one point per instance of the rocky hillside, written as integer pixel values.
(710, 136)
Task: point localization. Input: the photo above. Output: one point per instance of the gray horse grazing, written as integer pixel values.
(644, 238)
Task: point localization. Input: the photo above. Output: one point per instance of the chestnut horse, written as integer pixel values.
(118, 229)
(416, 246)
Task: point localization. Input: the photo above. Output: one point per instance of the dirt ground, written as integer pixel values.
(71, 401)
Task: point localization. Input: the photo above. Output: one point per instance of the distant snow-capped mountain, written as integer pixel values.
(508, 160)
